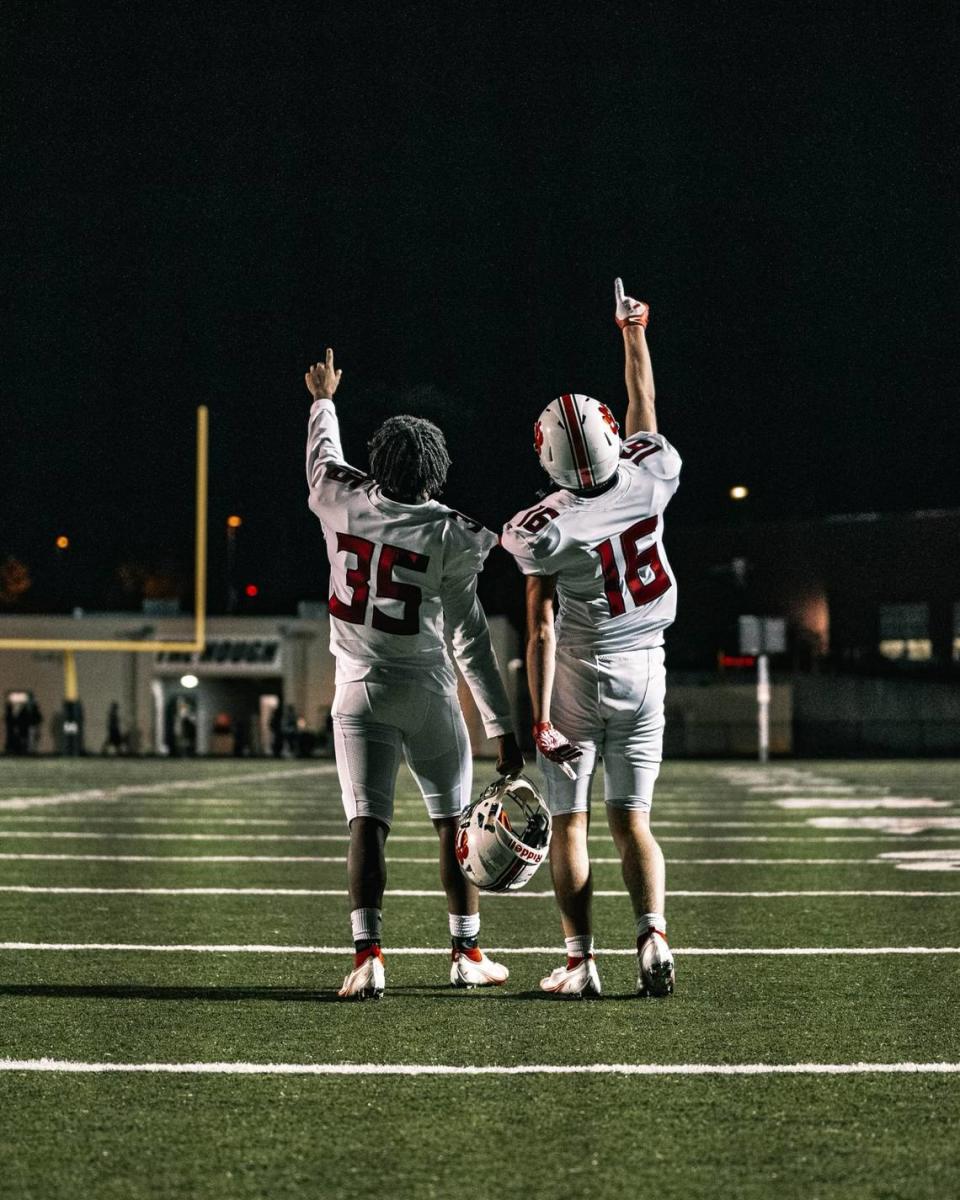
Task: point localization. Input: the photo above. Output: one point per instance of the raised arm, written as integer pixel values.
(632, 316)
(541, 663)
(323, 435)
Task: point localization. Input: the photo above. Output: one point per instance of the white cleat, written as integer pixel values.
(655, 976)
(472, 969)
(367, 981)
(578, 981)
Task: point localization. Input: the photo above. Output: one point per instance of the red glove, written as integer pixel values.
(553, 745)
(628, 310)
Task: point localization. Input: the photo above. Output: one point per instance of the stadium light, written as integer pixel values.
(234, 522)
(189, 681)
(63, 542)
(739, 492)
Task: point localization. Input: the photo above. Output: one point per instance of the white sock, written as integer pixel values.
(655, 921)
(367, 924)
(580, 946)
(466, 925)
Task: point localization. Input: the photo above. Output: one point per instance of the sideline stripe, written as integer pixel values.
(65, 1066)
(421, 892)
(687, 952)
(153, 789)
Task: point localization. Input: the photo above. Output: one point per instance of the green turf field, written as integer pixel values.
(181, 915)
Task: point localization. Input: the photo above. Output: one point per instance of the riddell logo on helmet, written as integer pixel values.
(520, 849)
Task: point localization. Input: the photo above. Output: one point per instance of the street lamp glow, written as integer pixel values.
(234, 522)
(189, 681)
(739, 492)
(62, 542)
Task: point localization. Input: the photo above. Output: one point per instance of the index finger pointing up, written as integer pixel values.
(618, 290)
(329, 356)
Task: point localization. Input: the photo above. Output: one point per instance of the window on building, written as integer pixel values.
(905, 632)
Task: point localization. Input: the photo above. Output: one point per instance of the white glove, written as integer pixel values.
(628, 310)
(553, 745)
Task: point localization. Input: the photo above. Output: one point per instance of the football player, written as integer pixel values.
(597, 678)
(403, 572)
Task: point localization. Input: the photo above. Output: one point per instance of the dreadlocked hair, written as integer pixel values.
(408, 458)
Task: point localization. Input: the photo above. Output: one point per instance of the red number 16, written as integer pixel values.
(634, 561)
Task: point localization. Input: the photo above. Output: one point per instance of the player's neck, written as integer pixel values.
(589, 493)
(398, 499)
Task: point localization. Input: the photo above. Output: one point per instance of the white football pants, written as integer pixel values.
(611, 705)
(374, 722)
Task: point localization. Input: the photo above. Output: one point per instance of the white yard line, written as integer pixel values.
(42, 890)
(67, 1066)
(199, 859)
(340, 859)
(258, 948)
(14, 803)
(150, 836)
(897, 802)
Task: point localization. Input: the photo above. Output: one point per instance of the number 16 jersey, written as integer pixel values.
(615, 588)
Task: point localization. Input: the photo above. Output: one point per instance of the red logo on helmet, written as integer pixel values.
(610, 419)
(463, 846)
(537, 436)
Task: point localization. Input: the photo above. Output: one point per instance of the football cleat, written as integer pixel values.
(472, 969)
(580, 979)
(655, 976)
(367, 979)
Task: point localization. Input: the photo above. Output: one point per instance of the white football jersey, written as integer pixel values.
(402, 577)
(615, 588)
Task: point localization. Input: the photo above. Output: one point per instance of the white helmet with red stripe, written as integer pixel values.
(577, 440)
(504, 835)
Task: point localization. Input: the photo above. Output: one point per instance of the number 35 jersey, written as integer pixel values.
(403, 577)
(615, 587)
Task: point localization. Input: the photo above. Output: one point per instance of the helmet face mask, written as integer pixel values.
(577, 440)
(504, 836)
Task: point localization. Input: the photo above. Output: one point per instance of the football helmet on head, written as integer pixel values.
(577, 440)
(504, 835)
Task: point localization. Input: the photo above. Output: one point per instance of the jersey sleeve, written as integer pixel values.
(325, 450)
(535, 550)
(652, 455)
(466, 623)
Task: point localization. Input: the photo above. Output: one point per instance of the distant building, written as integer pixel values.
(867, 592)
(185, 703)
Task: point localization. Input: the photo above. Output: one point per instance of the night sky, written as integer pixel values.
(200, 199)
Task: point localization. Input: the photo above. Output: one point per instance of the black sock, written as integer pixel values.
(465, 943)
(362, 944)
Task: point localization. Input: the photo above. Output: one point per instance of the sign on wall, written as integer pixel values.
(226, 656)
